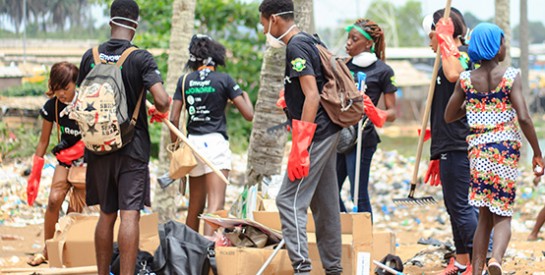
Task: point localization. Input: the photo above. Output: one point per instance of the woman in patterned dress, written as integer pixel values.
(491, 97)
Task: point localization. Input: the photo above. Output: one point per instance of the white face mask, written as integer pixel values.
(364, 59)
(274, 42)
(123, 25)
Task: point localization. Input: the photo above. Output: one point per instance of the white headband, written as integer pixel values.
(427, 23)
(123, 25)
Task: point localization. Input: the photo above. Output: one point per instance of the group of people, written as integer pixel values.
(475, 140)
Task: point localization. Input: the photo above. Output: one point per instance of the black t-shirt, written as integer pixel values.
(69, 129)
(447, 137)
(302, 58)
(139, 72)
(380, 79)
(206, 98)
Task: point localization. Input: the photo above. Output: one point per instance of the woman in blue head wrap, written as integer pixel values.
(491, 99)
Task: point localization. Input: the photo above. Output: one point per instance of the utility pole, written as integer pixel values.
(524, 47)
(24, 32)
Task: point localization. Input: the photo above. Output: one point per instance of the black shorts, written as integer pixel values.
(117, 182)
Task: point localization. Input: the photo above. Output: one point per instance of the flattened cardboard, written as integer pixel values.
(271, 219)
(73, 243)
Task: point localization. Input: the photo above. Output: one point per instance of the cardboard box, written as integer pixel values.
(73, 244)
(243, 261)
(384, 243)
(357, 240)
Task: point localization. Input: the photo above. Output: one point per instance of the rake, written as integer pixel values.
(411, 199)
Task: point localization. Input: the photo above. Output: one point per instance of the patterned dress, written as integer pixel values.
(494, 144)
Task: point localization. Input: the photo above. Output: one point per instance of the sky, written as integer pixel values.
(328, 13)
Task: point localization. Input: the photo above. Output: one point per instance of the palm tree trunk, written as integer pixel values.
(502, 20)
(265, 151)
(183, 14)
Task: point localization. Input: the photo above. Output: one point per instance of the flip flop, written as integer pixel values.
(494, 268)
(37, 259)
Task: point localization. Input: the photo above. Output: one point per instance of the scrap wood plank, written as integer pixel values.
(50, 271)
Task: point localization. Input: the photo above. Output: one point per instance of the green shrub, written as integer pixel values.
(27, 89)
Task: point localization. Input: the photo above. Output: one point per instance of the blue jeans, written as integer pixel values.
(346, 166)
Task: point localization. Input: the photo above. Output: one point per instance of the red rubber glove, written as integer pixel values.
(72, 153)
(427, 134)
(33, 183)
(156, 116)
(444, 30)
(299, 159)
(432, 175)
(376, 115)
(281, 102)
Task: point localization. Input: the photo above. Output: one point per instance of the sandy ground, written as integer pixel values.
(389, 180)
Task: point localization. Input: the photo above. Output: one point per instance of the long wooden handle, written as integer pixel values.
(186, 141)
(428, 104)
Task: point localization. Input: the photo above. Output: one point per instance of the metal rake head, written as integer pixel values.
(411, 201)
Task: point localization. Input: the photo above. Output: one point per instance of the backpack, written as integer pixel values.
(100, 108)
(340, 97)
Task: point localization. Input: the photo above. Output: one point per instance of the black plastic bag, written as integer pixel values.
(144, 261)
(183, 251)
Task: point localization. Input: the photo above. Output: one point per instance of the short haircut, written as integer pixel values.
(61, 75)
(270, 7)
(202, 47)
(460, 28)
(125, 8)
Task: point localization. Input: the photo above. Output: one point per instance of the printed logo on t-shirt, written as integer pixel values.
(44, 111)
(200, 87)
(190, 100)
(298, 64)
(236, 87)
(393, 80)
(69, 131)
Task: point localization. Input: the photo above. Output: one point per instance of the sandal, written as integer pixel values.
(37, 259)
(494, 268)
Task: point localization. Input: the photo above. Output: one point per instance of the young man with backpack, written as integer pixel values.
(311, 175)
(117, 172)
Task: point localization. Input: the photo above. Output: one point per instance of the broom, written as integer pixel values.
(424, 200)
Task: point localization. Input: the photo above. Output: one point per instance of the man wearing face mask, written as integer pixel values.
(120, 180)
(311, 175)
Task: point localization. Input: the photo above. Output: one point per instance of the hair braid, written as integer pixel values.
(374, 30)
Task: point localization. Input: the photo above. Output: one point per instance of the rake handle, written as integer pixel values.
(427, 110)
(195, 152)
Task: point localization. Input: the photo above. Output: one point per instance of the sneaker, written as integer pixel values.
(494, 268)
(469, 270)
(451, 268)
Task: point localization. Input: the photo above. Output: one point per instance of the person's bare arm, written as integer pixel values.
(524, 119)
(312, 98)
(44, 138)
(455, 108)
(175, 117)
(244, 105)
(160, 97)
(452, 68)
(390, 104)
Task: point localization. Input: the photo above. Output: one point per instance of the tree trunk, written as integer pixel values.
(502, 20)
(265, 151)
(183, 14)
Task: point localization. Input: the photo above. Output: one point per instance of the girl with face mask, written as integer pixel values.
(366, 46)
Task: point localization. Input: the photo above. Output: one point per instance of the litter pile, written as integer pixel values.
(423, 233)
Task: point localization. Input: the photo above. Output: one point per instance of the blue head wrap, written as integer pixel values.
(485, 42)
